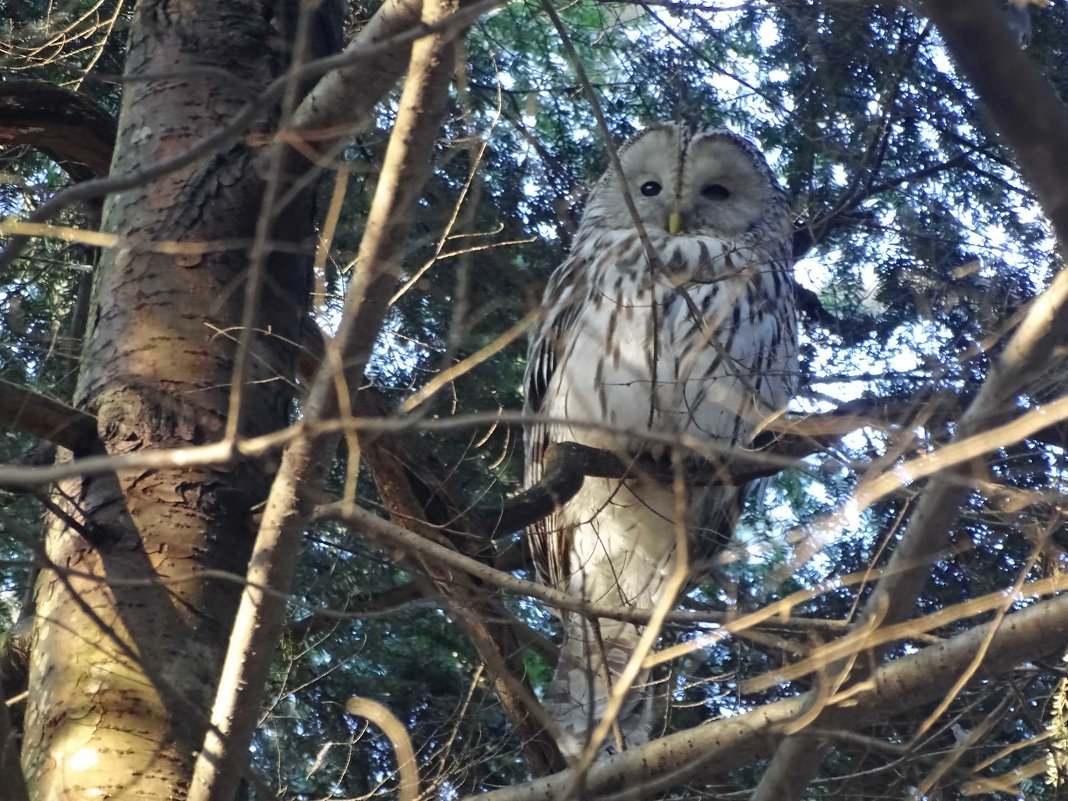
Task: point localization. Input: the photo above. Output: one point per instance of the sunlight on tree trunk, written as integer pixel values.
(888, 620)
(123, 667)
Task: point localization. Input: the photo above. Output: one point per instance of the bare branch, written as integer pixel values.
(66, 126)
(258, 623)
(398, 537)
(1036, 127)
(1038, 631)
(1034, 123)
(239, 124)
(22, 409)
(415, 489)
(340, 102)
(407, 767)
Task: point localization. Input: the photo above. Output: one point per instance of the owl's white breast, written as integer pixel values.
(641, 357)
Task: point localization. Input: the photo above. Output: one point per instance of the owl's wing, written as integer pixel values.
(561, 304)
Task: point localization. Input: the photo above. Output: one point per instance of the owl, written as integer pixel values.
(676, 318)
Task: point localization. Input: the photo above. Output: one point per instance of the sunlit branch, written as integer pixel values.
(22, 409)
(239, 124)
(407, 767)
(1033, 121)
(910, 629)
(1036, 632)
(773, 615)
(258, 622)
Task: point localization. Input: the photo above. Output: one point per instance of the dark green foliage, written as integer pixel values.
(920, 243)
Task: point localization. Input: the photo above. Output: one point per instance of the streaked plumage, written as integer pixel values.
(698, 340)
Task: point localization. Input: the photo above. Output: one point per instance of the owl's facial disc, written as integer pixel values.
(717, 186)
(706, 189)
(726, 189)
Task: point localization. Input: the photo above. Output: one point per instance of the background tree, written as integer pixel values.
(206, 571)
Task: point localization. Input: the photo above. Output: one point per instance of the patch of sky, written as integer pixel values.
(768, 33)
(846, 373)
(813, 272)
(546, 231)
(397, 357)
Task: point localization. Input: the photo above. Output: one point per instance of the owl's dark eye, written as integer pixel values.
(716, 192)
(650, 188)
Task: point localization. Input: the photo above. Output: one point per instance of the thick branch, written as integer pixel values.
(407, 165)
(897, 687)
(567, 464)
(342, 100)
(22, 409)
(1021, 103)
(66, 126)
(783, 444)
(1034, 123)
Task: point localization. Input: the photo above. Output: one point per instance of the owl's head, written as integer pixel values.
(691, 181)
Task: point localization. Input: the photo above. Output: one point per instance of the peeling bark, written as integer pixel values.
(124, 667)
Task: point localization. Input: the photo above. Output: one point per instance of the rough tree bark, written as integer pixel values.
(72, 130)
(124, 666)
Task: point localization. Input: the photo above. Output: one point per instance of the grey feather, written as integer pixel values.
(696, 338)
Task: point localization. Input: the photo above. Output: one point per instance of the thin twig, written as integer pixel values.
(232, 132)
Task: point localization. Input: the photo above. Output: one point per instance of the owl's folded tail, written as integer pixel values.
(592, 658)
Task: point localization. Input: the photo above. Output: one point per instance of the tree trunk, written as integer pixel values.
(129, 636)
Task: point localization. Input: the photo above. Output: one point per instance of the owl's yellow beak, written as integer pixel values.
(674, 223)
